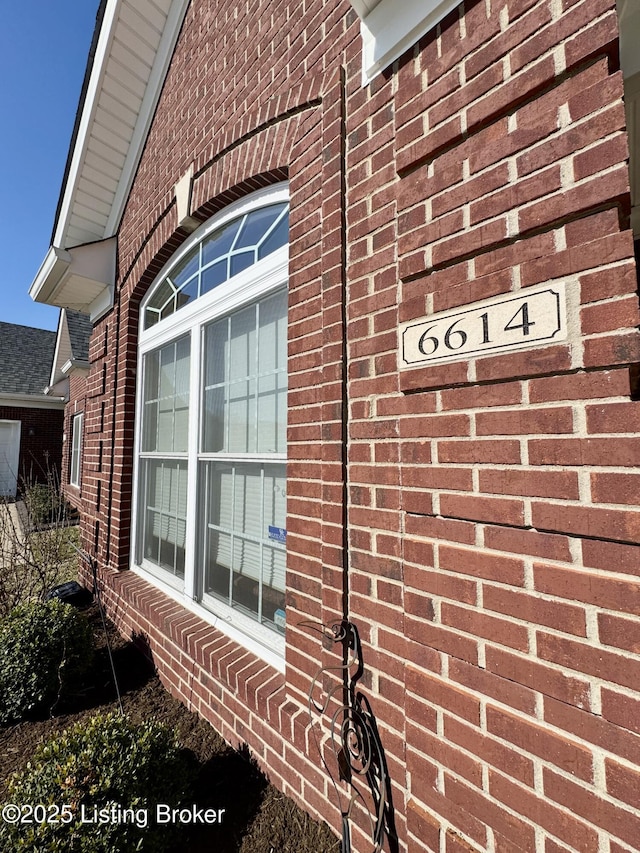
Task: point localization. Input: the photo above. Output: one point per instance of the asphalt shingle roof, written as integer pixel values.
(26, 356)
(79, 326)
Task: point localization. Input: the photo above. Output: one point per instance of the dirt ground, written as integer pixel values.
(258, 818)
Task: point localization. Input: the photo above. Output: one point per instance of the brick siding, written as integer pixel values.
(484, 512)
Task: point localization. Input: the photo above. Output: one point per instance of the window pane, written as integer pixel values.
(188, 267)
(219, 243)
(241, 262)
(275, 495)
(242, 347)
(162, 296)
(151, 374)
(241, 417)
(272, 336)
(214, 420)
(76, 450)
(247, 503)
(214, 275)
(218, 565)
(273, 585)
(165, 506)
(214, 407)
(278, 237)
(246, 575)
(256, 225)
(188, 293)
(216, 341)
(151, 317)
(244, 551)
(166, 398)
(272, 384)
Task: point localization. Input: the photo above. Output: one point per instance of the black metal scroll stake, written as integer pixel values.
(354, 740)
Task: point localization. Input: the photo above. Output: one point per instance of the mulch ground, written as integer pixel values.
(258, 818)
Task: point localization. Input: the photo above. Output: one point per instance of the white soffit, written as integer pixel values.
(132, 53)
(389, 28)
(81, 279)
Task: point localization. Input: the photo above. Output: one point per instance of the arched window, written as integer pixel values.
(212, 410)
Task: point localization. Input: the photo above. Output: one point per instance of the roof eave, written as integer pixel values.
(95, 224)
(30, 401)
(81, 279)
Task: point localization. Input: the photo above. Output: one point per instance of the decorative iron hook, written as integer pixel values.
(354, 739)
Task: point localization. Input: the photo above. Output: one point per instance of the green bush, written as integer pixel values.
(45, 648)
(111, 764)
(44, 503)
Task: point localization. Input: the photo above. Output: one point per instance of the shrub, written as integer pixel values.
(38, 547)
(43, 503)
(109, 763)
(45, 647)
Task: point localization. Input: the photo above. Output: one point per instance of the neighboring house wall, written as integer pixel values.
(26, 355)
(40, 442)
(479, 517)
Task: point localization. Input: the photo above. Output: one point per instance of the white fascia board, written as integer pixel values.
(31, 401)
(57, 353)
(391, 28)
(75, 365)
(147, 110)
(51, 271)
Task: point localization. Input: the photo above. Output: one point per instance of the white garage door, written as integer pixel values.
(9, 457)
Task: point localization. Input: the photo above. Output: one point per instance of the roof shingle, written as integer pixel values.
(79, 326)
(26, 356)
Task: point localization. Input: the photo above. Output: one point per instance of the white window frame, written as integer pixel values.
(75, 462)
(258, 281)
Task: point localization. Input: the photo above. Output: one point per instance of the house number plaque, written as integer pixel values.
(533, 316)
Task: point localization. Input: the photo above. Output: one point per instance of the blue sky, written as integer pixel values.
(43, 53)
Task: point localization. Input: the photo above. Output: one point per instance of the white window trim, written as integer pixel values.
(262, 278)
(77, 424)
(389, 28)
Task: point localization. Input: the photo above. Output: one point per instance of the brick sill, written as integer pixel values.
(204, 653)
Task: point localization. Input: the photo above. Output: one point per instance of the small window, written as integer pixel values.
(76, 451)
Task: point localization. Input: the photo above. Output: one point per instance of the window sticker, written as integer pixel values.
(278, 534)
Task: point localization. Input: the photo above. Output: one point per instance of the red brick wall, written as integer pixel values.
(492, 503)
(40, 442)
